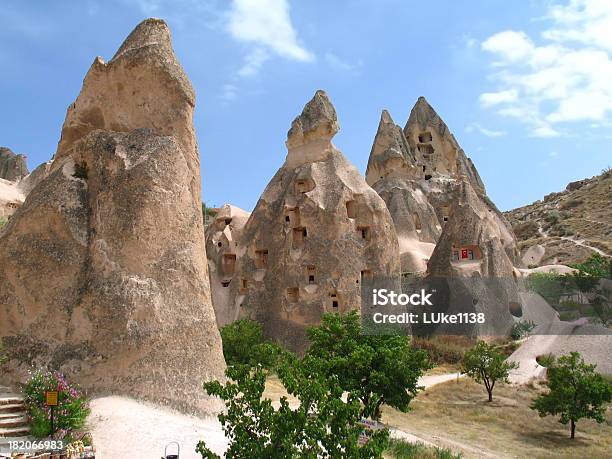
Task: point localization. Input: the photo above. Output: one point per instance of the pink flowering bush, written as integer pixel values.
(69, 415)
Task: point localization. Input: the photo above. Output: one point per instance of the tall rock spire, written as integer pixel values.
(90, 281)
(317, 234)
(438, 152)
(390, 154)
(309, 138)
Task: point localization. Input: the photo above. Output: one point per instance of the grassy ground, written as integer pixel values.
(456, 413)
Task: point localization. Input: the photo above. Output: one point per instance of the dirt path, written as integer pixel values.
(123, 427)
(126, 428)
(579, 242)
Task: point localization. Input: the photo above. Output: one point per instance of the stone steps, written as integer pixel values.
(22, 431)
(13, 419)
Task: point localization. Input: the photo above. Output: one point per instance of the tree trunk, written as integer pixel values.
(490, 395)
(573, 428)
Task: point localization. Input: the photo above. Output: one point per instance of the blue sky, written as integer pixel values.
(527, 91)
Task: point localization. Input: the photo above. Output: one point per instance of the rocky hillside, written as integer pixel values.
(568, 226)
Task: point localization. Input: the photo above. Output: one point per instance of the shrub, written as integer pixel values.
(486, 365)
(571, 203)
(546, 360)
(243, 344)
(401, 449)
(576, 391)
(596, 265)
(521, 329)
(69, 415)
(549, 285)
(444, 349)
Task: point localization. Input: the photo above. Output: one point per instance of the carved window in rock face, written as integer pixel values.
(244, 285)
(261, 259)
(311, 272)
(334, 301)
(228, 264)
(304, 185)
(292, 216)
(425, 137)
(425, 149)
(225, 283)
(351, 209)
(364, 232)
(227, 221)
(299, 234)
(365, 276)
(417, 222)
(465, 253)
(293, 294)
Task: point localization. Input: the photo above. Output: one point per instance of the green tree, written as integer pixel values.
(596, 265)
(486, 365)
(379, 369)
(244, 344)
(3, 221)
(576, 391)
(322, 425)
(549, 285)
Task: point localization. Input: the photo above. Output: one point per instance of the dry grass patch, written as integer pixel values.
(456, 414)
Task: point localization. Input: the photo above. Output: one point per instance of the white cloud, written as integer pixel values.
(484, 131)
(230, 92)
(489, 99)
(266, 24)
(563, 77)
(339, 64)
(253, 62)
(265, 27)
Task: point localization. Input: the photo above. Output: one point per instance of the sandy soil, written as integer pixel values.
(123, 427)
(126, 428)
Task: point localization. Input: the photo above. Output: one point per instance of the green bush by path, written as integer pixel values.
(69, 415)
(401, 449)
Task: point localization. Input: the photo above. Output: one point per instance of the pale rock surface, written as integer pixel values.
(393, 174)
(222, 237)
(485, 282)
(103, 269)
(316, 236)
(558, 338)
(13, 167)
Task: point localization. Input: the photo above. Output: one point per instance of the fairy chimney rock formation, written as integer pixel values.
(390, 155)
(222, 236)
(309, 138)
(472, 268)
(393, 174)
(13, 167)
(418, 172)
(103, 270)
(317, 234)
(438, 152)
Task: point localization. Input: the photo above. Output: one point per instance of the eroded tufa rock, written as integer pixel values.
(317, 234)
(13, 167)
(103, 270)
(222, 236)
